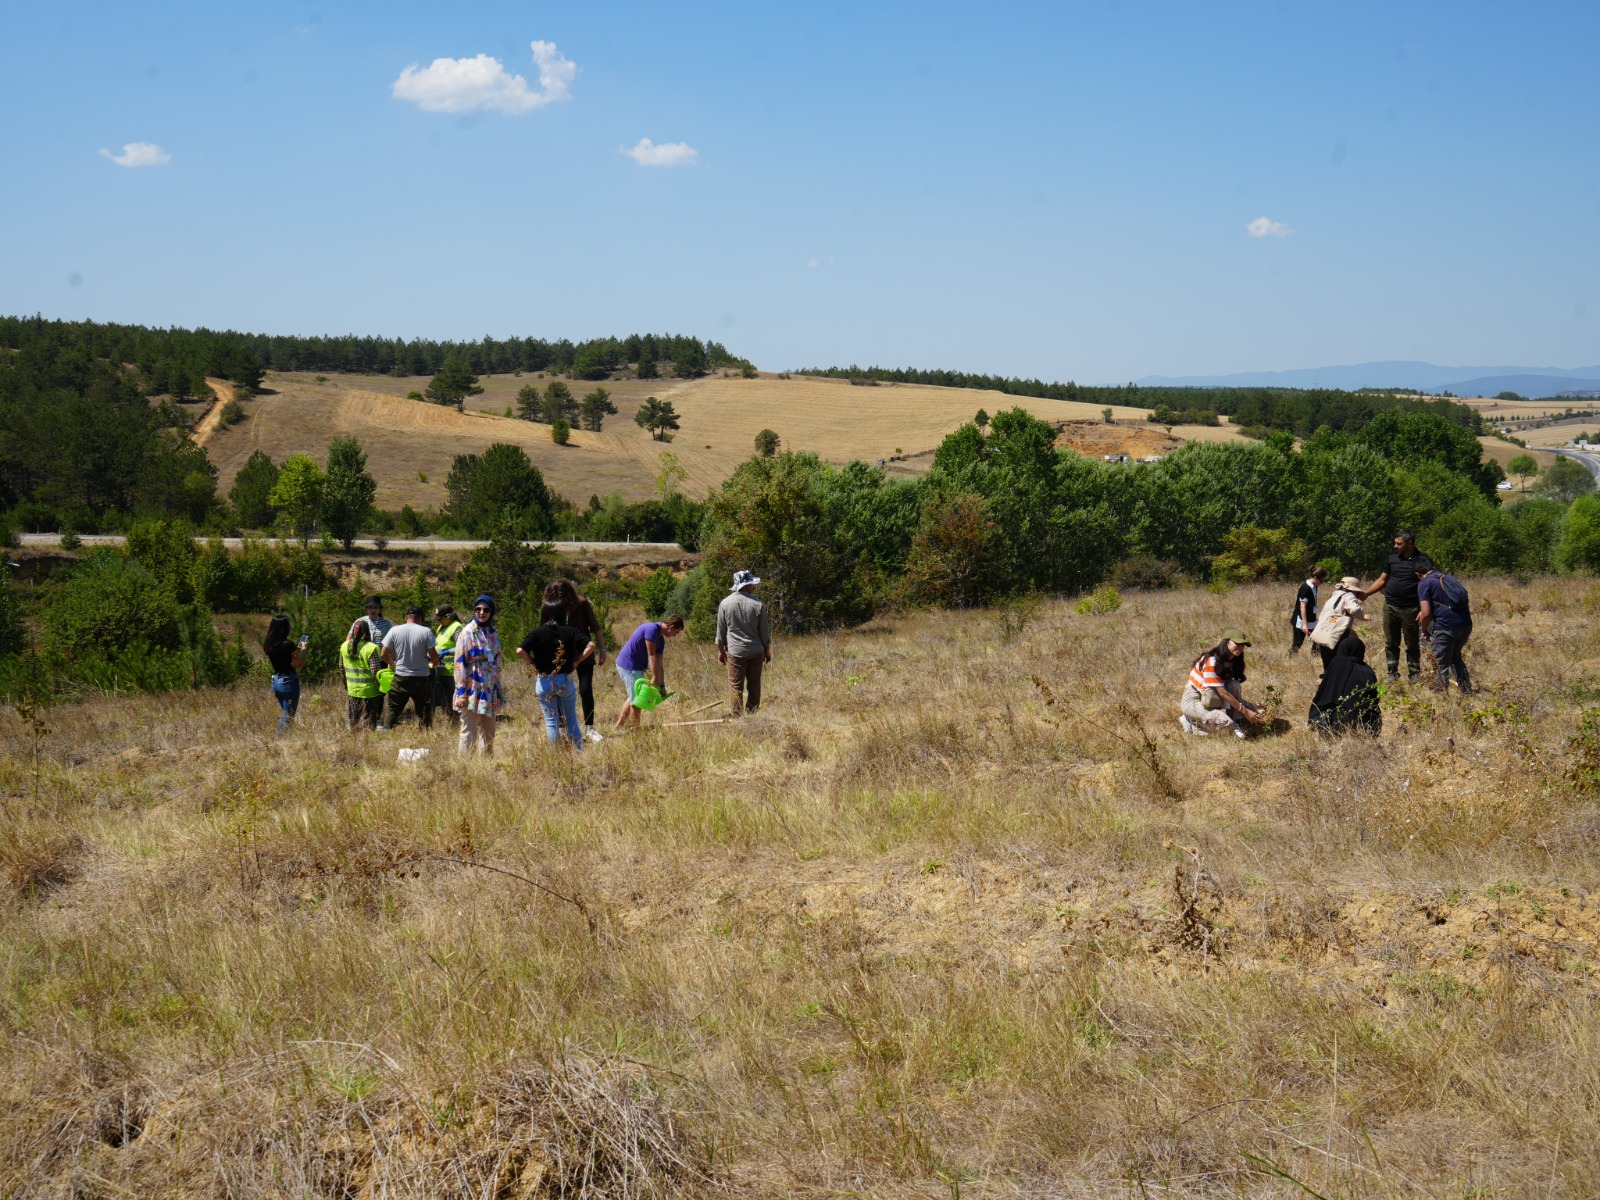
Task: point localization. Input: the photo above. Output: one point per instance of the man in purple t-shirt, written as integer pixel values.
(643, 655)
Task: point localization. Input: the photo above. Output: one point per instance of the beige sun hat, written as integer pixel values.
(1350, 583)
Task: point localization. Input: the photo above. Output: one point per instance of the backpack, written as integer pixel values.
(1454, 594)
(1331, 623)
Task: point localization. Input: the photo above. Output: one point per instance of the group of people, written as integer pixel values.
(458, 666)
(1419, 600)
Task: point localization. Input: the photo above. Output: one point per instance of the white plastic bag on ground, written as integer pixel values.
(410, 756)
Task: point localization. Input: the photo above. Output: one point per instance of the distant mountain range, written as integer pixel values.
(1536, 383)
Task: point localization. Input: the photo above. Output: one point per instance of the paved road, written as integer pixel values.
(1587, 457)
(43, 540)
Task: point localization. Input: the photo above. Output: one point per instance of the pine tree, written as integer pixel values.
(596, 407)
(530, 404)
(647, 364)
(766, 443)
(454, 382)
(251, 488)
(559, 404)
(657, 416)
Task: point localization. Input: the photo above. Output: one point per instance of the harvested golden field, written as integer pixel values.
(1495, 410)
(720, 416)
(919, 928)
(1503, 452)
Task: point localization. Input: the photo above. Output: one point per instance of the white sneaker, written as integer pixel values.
(1190, 727)
(1239, 733)
(592, 734)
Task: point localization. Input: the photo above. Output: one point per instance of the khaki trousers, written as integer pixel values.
(744, 676)
(477, 727)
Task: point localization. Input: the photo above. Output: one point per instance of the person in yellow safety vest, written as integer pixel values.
(447, 627)
(359, 655)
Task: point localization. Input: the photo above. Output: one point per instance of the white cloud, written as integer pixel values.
(139, 154)
(668, 154)
(812, 264)
(458, 85)
(1266, 227)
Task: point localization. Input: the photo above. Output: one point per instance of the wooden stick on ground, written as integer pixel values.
(702, 708)
(712, 721)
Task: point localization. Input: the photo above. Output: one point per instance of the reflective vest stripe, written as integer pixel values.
(447, 647)
(360, 677)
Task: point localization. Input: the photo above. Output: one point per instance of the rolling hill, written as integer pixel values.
(410, 444)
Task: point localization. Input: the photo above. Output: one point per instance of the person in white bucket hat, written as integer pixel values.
(744, 642)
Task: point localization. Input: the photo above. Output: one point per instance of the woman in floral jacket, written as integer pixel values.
(478, 665)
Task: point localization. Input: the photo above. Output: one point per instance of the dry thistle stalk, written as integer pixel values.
(1199, 898)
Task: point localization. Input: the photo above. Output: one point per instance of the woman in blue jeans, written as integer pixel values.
(287, 659)
(553, 651)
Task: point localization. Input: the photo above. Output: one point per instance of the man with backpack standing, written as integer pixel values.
(1445, 605)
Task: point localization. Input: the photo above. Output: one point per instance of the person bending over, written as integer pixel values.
(1213, 696)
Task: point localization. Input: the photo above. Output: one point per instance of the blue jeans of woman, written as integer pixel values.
(286, 688)
(558, 696)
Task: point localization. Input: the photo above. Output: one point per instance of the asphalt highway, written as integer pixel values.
(116, 539)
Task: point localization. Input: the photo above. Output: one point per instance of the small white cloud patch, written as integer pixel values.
(459, 85)
(1266, 227)
(667, 154)
(139, 154)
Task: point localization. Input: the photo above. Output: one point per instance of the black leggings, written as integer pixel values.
(586, 688)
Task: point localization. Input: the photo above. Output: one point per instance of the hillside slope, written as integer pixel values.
(406, 440)
(866, 942)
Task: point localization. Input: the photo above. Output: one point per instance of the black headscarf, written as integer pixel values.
(1348, 694)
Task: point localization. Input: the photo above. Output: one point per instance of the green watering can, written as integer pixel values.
(385, 680)
(647, 696)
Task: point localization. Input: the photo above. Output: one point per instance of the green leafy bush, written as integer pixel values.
(109, 605)
(656, 591)
(1099, 602)
(1251, 553)
(1147, 573)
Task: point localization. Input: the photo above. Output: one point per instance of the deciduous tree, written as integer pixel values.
(349, 490)
(298, 495)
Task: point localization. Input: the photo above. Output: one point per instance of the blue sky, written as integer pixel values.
(1063, 190)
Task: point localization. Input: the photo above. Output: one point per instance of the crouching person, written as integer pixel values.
(1213, 698)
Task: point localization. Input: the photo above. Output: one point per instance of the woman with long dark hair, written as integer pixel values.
(555, 651)
(287, 659)
(578, 613)
(1213, 695)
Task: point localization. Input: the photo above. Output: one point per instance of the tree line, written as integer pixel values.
(1302, 411)
(1003, 511)
(175, 362)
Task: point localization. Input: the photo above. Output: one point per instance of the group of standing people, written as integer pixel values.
(459, 666)
(1419, 600)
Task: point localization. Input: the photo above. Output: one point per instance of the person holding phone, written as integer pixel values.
(286, 659)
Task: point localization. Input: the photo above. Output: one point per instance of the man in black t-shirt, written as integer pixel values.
(1398, 583)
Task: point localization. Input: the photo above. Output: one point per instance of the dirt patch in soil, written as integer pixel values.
(1096, 439)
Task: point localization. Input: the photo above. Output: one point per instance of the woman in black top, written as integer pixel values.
(287, 659)
(579, 613)
(555, 651)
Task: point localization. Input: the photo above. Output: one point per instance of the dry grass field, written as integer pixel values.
(1503, 452)
(1492, 409)
(919, 928)
(720, 417)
